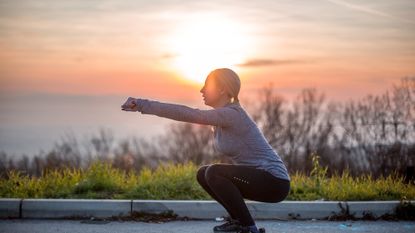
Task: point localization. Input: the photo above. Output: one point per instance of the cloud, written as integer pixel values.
(169, 55)
(368, 10)
(268, 62)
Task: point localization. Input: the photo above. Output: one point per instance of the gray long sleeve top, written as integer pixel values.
(235, 133)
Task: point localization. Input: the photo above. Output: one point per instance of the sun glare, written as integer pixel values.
(206, 42)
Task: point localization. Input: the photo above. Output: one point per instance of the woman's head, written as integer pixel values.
(221, 86)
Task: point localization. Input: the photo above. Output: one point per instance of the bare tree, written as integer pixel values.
(380, 130)
(186, 142)
(294, 131)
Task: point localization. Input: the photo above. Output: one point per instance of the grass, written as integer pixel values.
(178, 181)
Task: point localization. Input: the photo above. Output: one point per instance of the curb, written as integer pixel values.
(195, 209)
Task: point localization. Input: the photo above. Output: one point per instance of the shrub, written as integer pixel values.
(178, 181)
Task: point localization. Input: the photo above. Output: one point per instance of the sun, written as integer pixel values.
(205, 42)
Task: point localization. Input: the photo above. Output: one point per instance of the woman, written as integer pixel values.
(257, 171)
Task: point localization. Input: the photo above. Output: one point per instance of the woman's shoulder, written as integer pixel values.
(233, 109)
(241, 118)
(235, 105)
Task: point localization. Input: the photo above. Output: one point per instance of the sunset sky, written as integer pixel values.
(71, 64)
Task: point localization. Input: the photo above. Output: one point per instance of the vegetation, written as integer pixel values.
(361, 150)
(178, 181)
(373, 136)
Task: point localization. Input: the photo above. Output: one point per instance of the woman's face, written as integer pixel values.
(211, 92)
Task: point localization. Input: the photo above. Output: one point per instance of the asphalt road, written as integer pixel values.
(274, 226)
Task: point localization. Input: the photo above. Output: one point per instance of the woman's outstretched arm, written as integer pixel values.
(222, 116)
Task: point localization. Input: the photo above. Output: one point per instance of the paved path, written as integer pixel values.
(74, 226)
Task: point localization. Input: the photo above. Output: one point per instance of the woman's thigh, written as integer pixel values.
(254, 184)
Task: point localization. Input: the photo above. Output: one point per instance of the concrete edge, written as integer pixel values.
(10, 207)
(196, 209)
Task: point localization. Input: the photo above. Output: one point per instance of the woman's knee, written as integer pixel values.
(212, 171)
(200, 177)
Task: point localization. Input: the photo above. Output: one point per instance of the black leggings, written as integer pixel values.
(229, 184)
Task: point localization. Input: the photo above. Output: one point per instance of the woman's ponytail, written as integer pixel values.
(235, 99)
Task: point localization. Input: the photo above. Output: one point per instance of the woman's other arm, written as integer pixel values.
(222, 116)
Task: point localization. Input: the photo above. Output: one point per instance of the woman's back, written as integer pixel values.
(235, 134)
(244, 142)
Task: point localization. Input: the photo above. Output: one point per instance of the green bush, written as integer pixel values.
(178, 181)
(101, 180)
(51, 184)
(347, 188)
(168, 182)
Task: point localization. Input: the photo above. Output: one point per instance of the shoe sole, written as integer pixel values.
(235, 231)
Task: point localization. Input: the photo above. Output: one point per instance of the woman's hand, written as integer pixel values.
(130, 105)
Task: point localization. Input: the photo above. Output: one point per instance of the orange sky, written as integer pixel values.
(154, 50)
(164, 50)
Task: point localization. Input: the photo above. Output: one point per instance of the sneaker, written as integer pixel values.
(246, 230)
(231, 225)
